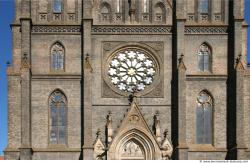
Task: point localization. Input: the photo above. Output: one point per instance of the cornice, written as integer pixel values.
(58, 29)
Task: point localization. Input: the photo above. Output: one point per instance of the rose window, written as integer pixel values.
(131, 70)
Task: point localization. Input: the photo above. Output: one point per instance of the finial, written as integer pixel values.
(98, 133)
(109, 116)
(132, 95)
(181, 58)
(238, 59)
(25, 56)
(87, 57)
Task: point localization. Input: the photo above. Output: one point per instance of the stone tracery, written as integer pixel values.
(131, 69)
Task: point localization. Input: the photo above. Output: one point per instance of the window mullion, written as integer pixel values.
(58, 114)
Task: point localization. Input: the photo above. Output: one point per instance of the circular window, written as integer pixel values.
(132, 70)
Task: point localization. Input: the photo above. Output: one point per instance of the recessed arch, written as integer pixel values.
(105, 12)
(137, 137)
(159, 11)
(105, 8)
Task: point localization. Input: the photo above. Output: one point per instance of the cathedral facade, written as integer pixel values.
(129, 79)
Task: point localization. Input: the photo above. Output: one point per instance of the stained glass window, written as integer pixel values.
(204, 6)
(204, 56)
(131, 69)
(57, 56)
(57, 6)
(204, 119)
(58, 121)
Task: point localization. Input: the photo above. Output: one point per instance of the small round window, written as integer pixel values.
(132, 70)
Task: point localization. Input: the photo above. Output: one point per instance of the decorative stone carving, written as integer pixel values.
(134, 119)
(57, 16)
(25, 62)
(43, 16)
(181, 65)
(190, 17)
(87, 65)
(130, 30)
(135, 140)
(166, 147)
(217, 17)
(239, 65)
(132, 151)
(99, 148)
(71, 16)
(157, 128)
(107, 46)
(56, 29)
(109, 127)
(205, 30)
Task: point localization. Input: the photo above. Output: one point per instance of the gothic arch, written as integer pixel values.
(57, 48)
(145, 144)
(105, 8)
(105, 12)
(204, 118)
(58, 118)
(205, 57)
(135, 132)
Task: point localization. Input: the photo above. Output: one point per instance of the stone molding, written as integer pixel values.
(102, 29)
(56, 29)
(131, 30)
(206, 30)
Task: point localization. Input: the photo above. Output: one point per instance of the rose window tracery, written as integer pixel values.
(131, 70)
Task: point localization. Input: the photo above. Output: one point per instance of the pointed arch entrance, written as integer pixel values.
(134, 140)
(133, 145)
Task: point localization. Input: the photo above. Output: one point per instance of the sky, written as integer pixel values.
(6, 17)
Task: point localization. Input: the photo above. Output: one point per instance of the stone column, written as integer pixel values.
(25, 149)
(87, 151)
(180, 19)
(182, 146)
(238, 13)
(240, 111)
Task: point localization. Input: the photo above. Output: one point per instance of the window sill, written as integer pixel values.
(205, 148)
(56, 149)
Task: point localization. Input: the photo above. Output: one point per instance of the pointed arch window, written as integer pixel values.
(57, 56)
(57, 6)
(204, 58)
(204, 118)
(58, 118)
